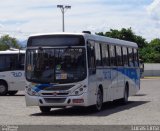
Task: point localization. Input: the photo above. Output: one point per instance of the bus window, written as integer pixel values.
(125, 56)
(2, 63)
(105, 55)
(131, 60)
(136, 59)
(13, 62)
(98, 54)
(9, 62)
(112, 55)
(21, 62)
(91, 57)
(119, 56)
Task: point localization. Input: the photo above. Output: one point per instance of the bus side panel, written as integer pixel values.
(123, 75)
(92, 87)
(101, 78)
(137, 80)
(132, 76)
(114, 81)
(15, 80)
(121, 82)
(104, 80)
(107, 84)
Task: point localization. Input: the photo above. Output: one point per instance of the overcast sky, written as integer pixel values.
(20, 18)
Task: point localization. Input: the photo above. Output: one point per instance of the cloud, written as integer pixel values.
(12, 22)
(43, 16)
(1, 26)
(154, 10)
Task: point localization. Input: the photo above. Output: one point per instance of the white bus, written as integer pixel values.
(12, 77)
(79, 69)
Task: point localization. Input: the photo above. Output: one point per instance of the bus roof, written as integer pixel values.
(104, 39)
(12, 52)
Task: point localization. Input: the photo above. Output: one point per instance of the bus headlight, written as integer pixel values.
(31, 92)
(79, 91)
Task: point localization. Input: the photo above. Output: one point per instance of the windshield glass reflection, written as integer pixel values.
(56, 65)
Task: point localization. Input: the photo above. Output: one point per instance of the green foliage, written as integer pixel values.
(148, 52)
(7, 42)
(155, 44)
(151, 54)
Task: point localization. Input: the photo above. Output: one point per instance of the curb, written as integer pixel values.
(144, 78)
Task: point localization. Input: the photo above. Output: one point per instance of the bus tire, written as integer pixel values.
(12, 93)
(3, 88)
(124, 100)
(45, 109)
(99, 101)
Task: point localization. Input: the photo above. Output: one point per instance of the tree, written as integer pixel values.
(155, 44)
(7, 42)
(147, 54)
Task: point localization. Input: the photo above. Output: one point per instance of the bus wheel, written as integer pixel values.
(99, 101)
(124, 100)
(3, 89)
(12, 93)
(45, 109)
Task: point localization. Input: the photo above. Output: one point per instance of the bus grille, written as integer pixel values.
(54, 100)
(56, 88)
(57, 94)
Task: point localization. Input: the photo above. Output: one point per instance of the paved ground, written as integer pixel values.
(144, 108)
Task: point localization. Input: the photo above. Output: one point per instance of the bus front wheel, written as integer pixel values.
(45, 109)
(99, 101)
(3, 89)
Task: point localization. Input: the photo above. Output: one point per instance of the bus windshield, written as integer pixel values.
(60, 65)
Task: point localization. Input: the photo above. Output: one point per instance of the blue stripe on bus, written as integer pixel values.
(129, 72)
(40, 87)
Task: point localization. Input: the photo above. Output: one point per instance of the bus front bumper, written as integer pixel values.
(56, 101)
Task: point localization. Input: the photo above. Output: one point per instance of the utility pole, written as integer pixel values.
(63, 10)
